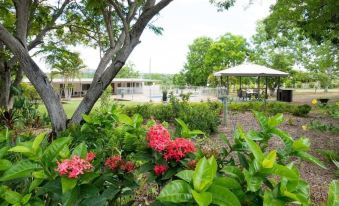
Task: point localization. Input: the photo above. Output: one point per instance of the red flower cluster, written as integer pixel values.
(115, 163)
(158, 138)
(178, 148)
(160, 169)
(90, 156)
(75, 166)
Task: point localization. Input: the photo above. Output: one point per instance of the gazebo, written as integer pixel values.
(251, 70)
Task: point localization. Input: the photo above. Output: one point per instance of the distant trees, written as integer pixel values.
(128, 71)
(206, 56)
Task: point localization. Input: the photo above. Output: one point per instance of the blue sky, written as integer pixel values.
(183, 21)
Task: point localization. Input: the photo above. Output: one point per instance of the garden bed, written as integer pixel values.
(317, 177)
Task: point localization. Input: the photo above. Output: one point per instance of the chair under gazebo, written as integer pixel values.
(251, 70)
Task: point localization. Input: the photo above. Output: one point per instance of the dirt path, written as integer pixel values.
(317, 177)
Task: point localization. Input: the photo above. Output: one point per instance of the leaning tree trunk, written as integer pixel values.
(38, 79)
(5, 84)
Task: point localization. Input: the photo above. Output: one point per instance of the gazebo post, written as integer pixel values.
(266, 88)
(228, 85)
(240, 83)
(258, 85)
(278, 88)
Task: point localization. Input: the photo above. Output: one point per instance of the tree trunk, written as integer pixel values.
(5, 85)
(38, 79)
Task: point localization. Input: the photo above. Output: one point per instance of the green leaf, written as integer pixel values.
(87, 118)
(227, 182)
(284, 171)
(333, 194)
(3, 151)
(275, 120)
(37, 141)
(80, 150)
(223, 196)
(5, 164)
(39, 174)
(52, 151)
(23, 168)
(253, 182)
(123, 118)
(233, 171)
(176, 191)
(301, 144)
(26, 198)
(70, 198)
(269, 200)
(12, 197)
(34, 184)
(255, 149)
(21, 149)
(186, 175)
(204, 174)
(203, 199)
(68, 184)
(269, 160)
(306, 156)
(284, 136)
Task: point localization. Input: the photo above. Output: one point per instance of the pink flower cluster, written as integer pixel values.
(116, 162)
(75, 166)
(159, 139)
(160, 169)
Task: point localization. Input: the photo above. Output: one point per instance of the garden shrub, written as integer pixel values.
(106, 166)
(302, 110)
(204, 116)
(268, 107)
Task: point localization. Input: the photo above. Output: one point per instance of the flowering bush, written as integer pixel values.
(178, 149)
(158, 138)
(116, 162)
(160, 169)
(75, 166)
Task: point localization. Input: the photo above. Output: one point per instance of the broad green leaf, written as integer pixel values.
(227, 182)
(137, 120)
(87, 118)
(253, 182)
(261, 118)
(269, 200)
(5, 164)
(34, 184)
(204, 174)
(68, 184)
(182, 124)
(20, 169)
(37, 141)
(306, 156)
(284, 171)
(80, 150)
(269, 160)
(39, 174)
(301, 144)
(123, 118)
(26, 198)
(203, 199)
(233, 171)
(176, 191)
(12, 197)
(255, 149)
(21, 149)
(284, 136)
(70, 198)
(52, 151)
(186, 175)
(223, 196)
(3, 151)
(275, 120)
(333, 194)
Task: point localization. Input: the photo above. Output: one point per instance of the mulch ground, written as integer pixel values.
(317, 177)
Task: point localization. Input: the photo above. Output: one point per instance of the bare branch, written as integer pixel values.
(117, 8)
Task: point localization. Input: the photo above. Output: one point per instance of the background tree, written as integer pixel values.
(128, 71)
(206, 56)
(66, 65)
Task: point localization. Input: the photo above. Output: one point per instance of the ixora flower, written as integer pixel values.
(158, 138)
(73, 167)
(128, 166)
(116, 162)
(178, 148)
(113, 162)
(160, 169)
(90, 156)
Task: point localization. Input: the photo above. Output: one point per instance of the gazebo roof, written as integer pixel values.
(250, 70)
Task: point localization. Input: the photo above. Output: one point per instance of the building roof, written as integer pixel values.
(89, 80)
(250, 70)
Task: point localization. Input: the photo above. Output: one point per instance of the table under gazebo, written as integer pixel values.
(250, 70)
